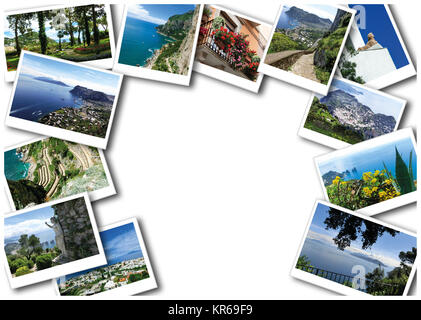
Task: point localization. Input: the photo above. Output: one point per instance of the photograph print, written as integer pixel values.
(372, 176)
(79, 34)
(62, 99)
(128, 270)
(50, 169)
(231, 46)
(158, 41)
(306, 44)
(51, 240)
(352, 254)
(349, 114)
(375, 54)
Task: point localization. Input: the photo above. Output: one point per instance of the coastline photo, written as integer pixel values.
(306, 44)
(64, 100)
(352, 254)
(350, 113)
(375, 54)
(128, 269)
(49, 169)
(80, 34)
(372, 176)
(230, 47)
(158, 41)
(50, 240)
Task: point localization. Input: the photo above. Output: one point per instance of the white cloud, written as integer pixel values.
(138, 12)
(28, 227)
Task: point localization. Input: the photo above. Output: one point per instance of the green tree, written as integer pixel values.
(28, 246)
(350, 227)
(19, 23)
(94, 25)
(41, 15)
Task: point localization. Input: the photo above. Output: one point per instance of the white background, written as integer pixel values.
(222, 184)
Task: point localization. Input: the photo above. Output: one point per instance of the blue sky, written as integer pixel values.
(32, 222)
(378, 23)
(120, 241)
(386, 249)
(157, 13)
(70, 74)
(376, 102)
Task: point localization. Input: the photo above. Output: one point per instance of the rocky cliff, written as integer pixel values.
(178, 25)
(79, 237)
(308, 19)
(351, 113)
(89, 94)
(186, 47)
(25, 193)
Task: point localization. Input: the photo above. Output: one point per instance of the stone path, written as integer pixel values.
(304, 67)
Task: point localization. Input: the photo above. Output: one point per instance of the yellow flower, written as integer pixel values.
(373, 180)
(374, 189)
(388, 181)
(376, 173)
(343, 183)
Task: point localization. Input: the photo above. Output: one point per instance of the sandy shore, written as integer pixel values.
(150, 62)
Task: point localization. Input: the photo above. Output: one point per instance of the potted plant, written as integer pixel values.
(202, 34)
(223, 38)
(206, 14)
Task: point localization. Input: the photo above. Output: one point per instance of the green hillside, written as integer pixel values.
(281, 42)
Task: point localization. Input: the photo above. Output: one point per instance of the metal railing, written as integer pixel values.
(384, 288)
(208, 40)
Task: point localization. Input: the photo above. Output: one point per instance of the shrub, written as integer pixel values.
(22, 271)
(44, 261)
(281, 42)
(17, 264)
(218, 22)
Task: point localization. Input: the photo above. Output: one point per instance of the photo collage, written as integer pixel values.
(67, 71)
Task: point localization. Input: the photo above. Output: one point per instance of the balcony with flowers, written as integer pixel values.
(227, 50)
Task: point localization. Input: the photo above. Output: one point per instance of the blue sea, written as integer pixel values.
(330, 258)
(372, 160)
(14, 168)
(285, 21)
(140, 40)
(35, 98)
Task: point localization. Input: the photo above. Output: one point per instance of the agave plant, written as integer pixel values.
(404, 174)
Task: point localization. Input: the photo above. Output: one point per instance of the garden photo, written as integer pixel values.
(49, 237)
(357, 253)
(375, 53)
(351, 113)
(306, 44)
(231, 43)
(72, 33)
(372, 172)
(158, 37)
(53, 94)
(126, 266)
(51, 169)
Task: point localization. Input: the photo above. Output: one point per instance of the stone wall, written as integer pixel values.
(79, 237)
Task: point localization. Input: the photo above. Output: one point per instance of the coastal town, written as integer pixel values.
(105, 278)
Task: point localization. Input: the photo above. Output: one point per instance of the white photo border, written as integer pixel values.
(384, 205)
(93, 195)
(299, 80)
(101, 63)
(141, 72)
(60, 133)
(133, 288)
(70, 267)
(224, 76)
(336, 143)
(334, 286)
